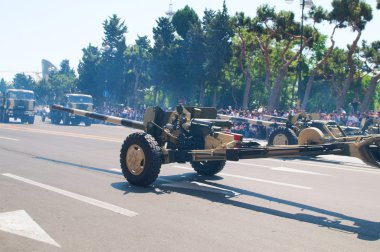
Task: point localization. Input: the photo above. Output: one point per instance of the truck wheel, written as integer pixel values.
(140, 159)
(208, 168)
(66, 120)
(283, 136)
(31, 120)
(5, 118)
(87, 122)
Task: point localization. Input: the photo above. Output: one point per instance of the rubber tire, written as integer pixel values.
(31, 119)
(289, 134)
(66, 120)
(87, 122)
(5, 118)
(208, 168)
(152, 162)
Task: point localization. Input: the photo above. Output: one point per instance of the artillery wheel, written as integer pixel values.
(140, 159)
(208, 168)
(282, 136)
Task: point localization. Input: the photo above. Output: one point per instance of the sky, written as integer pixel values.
(32, 30)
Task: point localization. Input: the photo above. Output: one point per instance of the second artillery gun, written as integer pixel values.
(191, 134)
(287, 131)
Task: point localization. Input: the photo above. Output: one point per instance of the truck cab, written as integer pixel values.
(17, 104)
(74, 101)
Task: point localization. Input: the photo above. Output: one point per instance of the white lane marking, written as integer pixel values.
(252, 179)
(285, 169)
(20, 223)
(79, 197)
(115, 169)
(61, 133)
(8, 138)
(332, 166)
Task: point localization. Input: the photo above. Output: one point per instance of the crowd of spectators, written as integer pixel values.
(122, 111)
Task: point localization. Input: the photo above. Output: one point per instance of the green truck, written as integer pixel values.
(17, 104)
(74, 101)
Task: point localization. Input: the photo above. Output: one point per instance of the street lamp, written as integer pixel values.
(308, 4)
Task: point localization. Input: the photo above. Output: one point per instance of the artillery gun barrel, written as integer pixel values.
(251, 121)
(111, 119)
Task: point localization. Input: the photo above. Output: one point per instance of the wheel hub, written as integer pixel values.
(135, 159)
(280, 139)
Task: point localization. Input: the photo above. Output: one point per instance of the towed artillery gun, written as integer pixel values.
(314, 131)
(194, 135)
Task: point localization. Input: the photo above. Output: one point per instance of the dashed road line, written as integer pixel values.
(8, 138)
(60, 133)
(285, 169)
(329, 166)
(76, 196)
(253, 179)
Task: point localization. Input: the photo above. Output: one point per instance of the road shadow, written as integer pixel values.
(207, 188)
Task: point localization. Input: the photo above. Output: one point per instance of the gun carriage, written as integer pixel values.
(301, 128)
(191, 134)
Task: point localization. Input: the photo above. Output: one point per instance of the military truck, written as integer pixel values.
(74, 101)
(17, 104)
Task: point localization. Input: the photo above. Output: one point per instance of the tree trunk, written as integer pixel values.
(214, 102)
(350, 62)
(309, 85)
(137, 80)
(202, 94)
(247, 89)
(276, 90)
(368, 96)
(343, 93)
(310, 82)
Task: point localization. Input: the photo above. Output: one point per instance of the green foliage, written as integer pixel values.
(3, 85)
(112, 63)
(212, 61)
(23, 81)
(351, 13)
(88, 70)
(184, 19)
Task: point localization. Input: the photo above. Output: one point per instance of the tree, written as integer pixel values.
(195, 57)
(88, 70)
(353, 14)
(371, 53)
(113, 61)
(183, 20)
(318, 14)
(247, 47)
(3, 85)
(278, 34)
(23, 81)
(218, 43)
(138, 57)
(163, 35)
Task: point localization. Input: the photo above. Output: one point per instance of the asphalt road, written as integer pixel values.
(62, 190)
